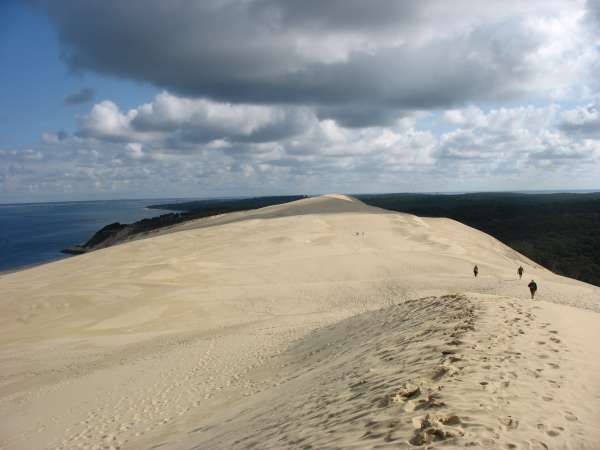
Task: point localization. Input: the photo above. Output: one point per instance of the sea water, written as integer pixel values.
(34, 233)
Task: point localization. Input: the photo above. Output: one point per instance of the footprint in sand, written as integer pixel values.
(432, 401)
(570, 416)
(509, 422)
(449, 352)
(433, 428)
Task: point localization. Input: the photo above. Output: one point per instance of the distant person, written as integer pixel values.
(520, 271)
(532, 288)
(475, 271)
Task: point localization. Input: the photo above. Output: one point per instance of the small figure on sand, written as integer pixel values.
(475, 271)
(520, 271)
(532, 288)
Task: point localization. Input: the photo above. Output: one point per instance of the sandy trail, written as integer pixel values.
(321, 323)
(396, 377)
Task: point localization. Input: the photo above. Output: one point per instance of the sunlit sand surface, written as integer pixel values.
(322, 323)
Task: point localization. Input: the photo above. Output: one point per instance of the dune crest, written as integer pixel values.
(321, 322)
(341, 197)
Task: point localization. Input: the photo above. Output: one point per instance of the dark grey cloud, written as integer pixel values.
(345, 15)
(336, 55)
(84, 95)
(357, 116)
(593, 12)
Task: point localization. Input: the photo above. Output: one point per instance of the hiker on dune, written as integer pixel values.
(475, 271)
(520, 271)
(532, 288)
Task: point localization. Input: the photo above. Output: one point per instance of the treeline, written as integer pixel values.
(559, 231)
(210, 206)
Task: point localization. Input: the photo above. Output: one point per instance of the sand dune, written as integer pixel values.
(322, 323)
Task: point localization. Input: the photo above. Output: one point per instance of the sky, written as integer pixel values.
(108, 99)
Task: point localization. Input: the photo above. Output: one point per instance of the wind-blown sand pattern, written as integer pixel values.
(322, 323)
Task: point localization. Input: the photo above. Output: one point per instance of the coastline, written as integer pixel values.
(67, 225)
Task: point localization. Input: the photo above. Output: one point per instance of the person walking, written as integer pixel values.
(520, 271)
(475, 271)
(532, 288)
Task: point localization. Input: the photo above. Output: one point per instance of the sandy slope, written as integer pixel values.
(322, 323)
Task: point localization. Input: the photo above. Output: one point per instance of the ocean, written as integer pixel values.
(35, 233)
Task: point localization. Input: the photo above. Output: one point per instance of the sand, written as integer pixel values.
(322, 323)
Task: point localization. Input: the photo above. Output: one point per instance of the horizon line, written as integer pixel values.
(237, 197)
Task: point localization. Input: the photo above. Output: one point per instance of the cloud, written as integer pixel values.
(486, 138)
(503, 142)
(183, 121)
(276, 96)
(517, 148)
(511, 141)
(20, 155)
(105, 121)
(135, 150)
(582, 121)
(84, 95)
(54, 137)
(361, 64)
(272, 138)
(503, 120)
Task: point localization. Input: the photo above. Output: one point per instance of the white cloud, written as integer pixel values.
(183, 120)
(135, 150)
(106, 121)
(483, 149)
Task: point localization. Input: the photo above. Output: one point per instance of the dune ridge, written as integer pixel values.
(431, 370)
(322, 323)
